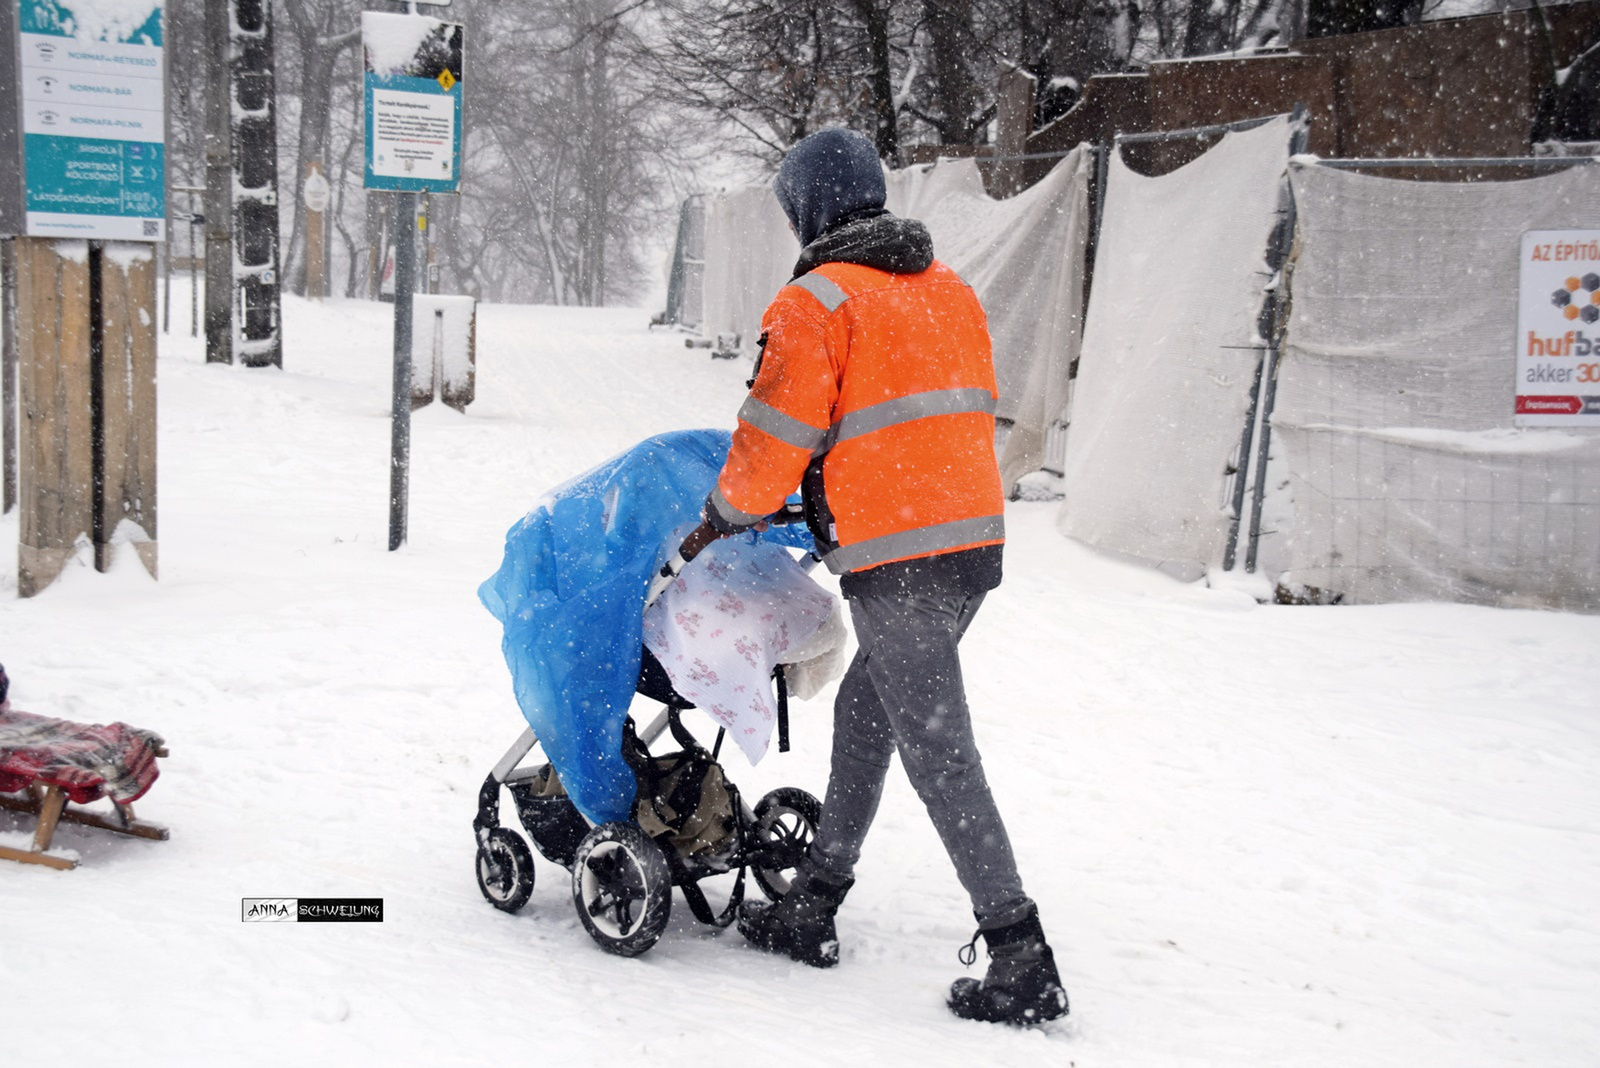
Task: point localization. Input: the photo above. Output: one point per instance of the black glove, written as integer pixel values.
(698, 539)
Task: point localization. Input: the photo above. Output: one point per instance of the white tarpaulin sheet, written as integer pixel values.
(1397, 391)
(749, 256)
(1170, 352)
(1023, 256)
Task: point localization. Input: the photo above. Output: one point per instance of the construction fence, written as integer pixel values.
(1282, 365)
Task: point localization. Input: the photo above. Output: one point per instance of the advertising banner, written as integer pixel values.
(93, 119)
(413, 102)
(1558, 329)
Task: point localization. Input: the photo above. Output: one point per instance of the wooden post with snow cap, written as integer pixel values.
(55, 454)
(86, 345)
(1013, 125)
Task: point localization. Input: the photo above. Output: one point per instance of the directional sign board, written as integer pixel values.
(84, 83)
(413, 102)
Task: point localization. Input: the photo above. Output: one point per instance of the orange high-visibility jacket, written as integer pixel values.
(890, 376)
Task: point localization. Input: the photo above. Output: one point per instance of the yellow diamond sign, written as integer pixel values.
(446, 79)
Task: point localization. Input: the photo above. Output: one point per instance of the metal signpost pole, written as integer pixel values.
(1277, 309)
(8, 375)
(12, 223)
(405, 259)
(195, 219)
(412, 104)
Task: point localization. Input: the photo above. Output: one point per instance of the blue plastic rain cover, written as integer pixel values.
(571, 592)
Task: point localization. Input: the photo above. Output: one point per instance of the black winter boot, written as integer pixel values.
(801, 925)
(1022, 987)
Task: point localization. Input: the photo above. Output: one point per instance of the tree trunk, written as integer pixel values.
(886, 132)
(955, 91)
(321, 46)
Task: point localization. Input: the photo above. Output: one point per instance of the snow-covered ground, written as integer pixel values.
(1258, 835)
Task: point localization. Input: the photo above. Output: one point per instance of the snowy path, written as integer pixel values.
(1258, 835)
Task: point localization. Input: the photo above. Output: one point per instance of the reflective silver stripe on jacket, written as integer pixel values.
(729, 514)
(904, 409)
(919, 542)
(786, 428)
(823, 288)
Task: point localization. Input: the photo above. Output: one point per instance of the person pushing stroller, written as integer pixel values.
(875, 393)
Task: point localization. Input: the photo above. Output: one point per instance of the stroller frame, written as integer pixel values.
(622, 878)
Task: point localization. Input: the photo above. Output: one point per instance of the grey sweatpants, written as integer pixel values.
(904, 693)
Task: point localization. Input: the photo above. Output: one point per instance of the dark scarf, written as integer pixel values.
(871, 238)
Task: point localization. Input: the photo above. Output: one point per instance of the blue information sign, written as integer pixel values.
(412, 87)
(93, 119)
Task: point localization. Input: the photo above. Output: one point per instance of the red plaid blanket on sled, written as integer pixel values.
(88, 761)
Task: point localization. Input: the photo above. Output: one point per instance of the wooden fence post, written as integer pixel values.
(55, 450)
(87, 447)
(126, 507)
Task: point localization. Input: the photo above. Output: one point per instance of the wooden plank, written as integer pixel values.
(55, 799)
(54, 447)
(23, 803)
(126, 825)
(133, 827)
(128, 401)
(44, 859)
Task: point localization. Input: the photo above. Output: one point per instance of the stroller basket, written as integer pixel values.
(551, 819)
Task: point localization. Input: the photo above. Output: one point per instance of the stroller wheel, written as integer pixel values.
(622, 888)
(786, 822)
(505, 870)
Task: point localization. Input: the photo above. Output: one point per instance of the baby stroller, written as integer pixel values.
(687, 822)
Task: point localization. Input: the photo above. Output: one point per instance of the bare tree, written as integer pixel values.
(778, 70)
(574, 144)
(565, 155)
(318, 34)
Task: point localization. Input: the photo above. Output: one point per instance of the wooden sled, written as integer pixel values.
(49, 804)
